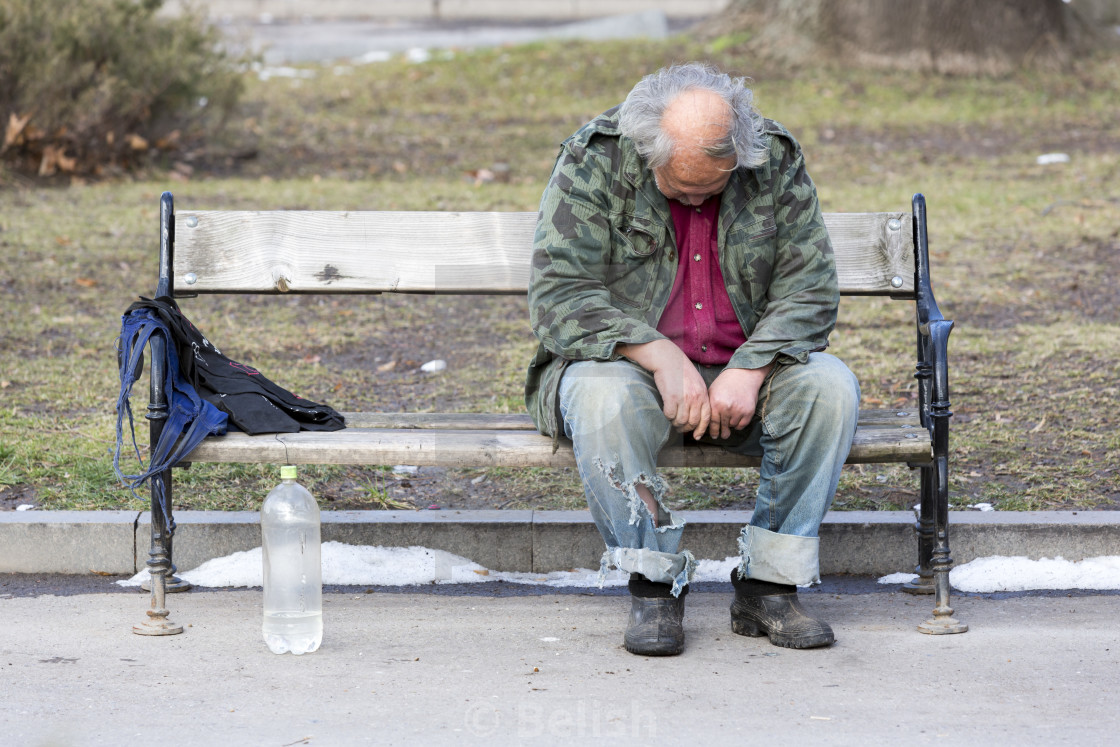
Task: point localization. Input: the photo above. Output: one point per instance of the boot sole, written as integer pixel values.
(656, 649)
(754, 629)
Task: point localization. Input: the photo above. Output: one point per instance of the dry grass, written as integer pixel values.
(1023, 260)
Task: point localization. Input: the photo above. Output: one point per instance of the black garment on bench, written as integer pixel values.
(254, 403)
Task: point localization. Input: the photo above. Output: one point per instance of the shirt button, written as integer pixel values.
(699, 305)
(696, 257)
(698, 210)
(703, 348)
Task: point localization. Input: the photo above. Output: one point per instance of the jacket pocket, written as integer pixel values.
(763, 228)
(751, 251)
(632, 271)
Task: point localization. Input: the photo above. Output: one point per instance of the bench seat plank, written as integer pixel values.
(891, 439)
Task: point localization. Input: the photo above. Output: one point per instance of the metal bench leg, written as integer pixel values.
(164, 539)
(159, 566)
(163, 526)
(941, 563)
(942, 621)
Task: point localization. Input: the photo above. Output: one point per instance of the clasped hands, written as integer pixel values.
(729, 404)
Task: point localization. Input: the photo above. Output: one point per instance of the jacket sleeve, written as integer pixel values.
(803, 295)
(570, 306)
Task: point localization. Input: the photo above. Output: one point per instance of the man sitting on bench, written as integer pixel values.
(683, 286)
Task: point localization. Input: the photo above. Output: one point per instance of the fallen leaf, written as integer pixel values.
(387, 366)
(171, 141)
(86, 282)
(15, 127)
(136, 142)
(48, 165)
(66, 164)
(483, 572)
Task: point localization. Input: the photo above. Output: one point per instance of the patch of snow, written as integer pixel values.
(266, 73)
(1000, 573)
(1049, 158)
(715, 570)
(374, 55)
(364, 565)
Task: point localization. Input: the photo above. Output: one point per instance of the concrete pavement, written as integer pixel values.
(459, 665)
(500, 663)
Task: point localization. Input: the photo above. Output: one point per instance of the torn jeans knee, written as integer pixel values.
(664, 520)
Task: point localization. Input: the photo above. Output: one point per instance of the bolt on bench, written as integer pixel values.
(231, 252)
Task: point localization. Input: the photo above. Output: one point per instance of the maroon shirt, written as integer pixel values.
(699, 317)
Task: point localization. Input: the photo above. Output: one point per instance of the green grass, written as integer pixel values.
(1023, 257)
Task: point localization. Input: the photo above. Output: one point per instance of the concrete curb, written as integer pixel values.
(854, 542)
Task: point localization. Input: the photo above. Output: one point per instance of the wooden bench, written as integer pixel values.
(231, 252)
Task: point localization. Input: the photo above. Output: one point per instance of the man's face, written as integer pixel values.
(691, 178)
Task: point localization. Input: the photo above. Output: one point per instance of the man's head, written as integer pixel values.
(693, 125)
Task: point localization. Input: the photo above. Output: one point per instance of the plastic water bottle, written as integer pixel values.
(293, 576)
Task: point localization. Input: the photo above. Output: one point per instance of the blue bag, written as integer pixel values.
(190, 418)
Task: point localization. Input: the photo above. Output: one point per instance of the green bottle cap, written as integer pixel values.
(288, 472)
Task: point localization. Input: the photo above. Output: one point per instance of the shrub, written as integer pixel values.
(88, 85)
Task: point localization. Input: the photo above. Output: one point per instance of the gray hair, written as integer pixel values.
(641, 113)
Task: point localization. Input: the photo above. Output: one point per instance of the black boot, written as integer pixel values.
(763, 608)
(656, 626)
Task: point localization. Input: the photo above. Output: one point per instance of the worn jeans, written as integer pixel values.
(802, 430)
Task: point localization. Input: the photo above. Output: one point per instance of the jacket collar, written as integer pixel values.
(640, 177)
(740, 187)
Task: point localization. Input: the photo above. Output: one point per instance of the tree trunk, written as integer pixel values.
(944, 36)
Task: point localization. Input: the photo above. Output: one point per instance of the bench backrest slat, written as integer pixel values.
(301, 251)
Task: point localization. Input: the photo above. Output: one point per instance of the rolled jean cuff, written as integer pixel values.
(659, 567)
(779, 558)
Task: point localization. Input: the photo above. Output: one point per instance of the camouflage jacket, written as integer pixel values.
(604, 259)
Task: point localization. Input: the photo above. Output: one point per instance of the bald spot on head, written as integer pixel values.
(694, 120)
